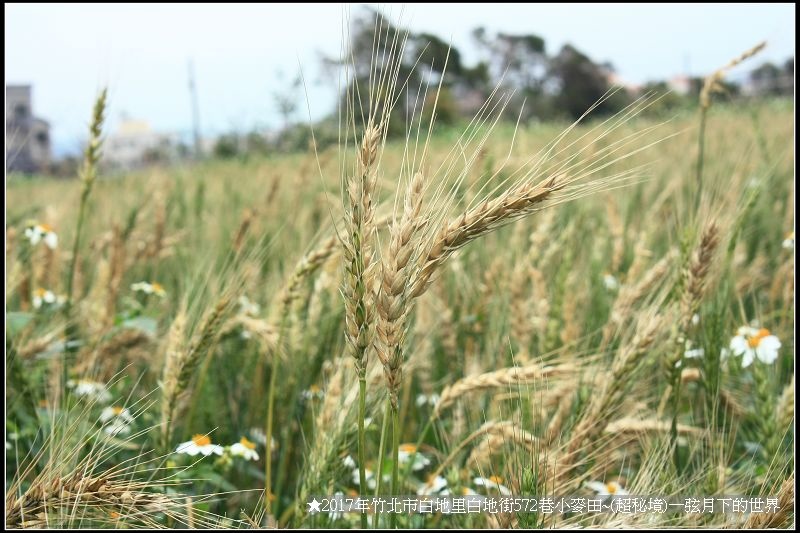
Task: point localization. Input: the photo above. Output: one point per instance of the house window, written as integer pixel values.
(42, 138)
(20, 111)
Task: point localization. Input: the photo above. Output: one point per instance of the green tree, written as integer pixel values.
(227, 146)
(579, 83)
(420, 63)
(519, 64)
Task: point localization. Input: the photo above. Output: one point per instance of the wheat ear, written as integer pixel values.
(499, 378)
(393, 299)
(490, 214)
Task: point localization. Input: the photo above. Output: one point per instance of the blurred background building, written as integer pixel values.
(27, 136)
(134, 144)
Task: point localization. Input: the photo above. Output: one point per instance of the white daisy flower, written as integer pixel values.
(33, 236)
(8, 445)
(259, 436)
(788, 242)
(693, 353)
(247, 307)
(110, 413)
(493, 482)
(349, 462)
(117, 427)
(42, 232)
(116, 420)
(43, 297)
(199, 444)
(434, 485)
(149, 288)
(51, 240)
(610, 282)
(751, 344)
(695, 319)
(612, 488)
(312, 393)
(90, 390)
(368, 474)
(246, 449)
(408, 452)
(427, 399)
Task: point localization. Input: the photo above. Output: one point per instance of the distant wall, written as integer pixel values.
(27, 137)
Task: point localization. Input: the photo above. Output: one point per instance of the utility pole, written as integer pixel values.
(195, 111)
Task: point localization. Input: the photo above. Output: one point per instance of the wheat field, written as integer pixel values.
(549, 309)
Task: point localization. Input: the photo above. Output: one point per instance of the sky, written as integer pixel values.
(243, 53)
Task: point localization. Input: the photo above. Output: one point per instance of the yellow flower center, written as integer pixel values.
(247, 444)
(117, 410)
(157, 287)
(114, 514)
(496, 479)
(408, 448)
(611, 487)
(201, 440)
(40, 292)
(314, 389)
(45, 228)
(755, 340)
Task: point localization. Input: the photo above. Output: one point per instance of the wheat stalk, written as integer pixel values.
(631, 294)
(88, 176)
(556, 425)
(697, 273)
(777, 518)
(359, 267)
(56, 502)
(505, 377)
(308, 264)
(603, 402)
(635, 425)
(170, 381)
(182, 362)
(712, 83)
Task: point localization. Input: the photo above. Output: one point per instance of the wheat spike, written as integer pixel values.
(780, 517)
(359, 283)
(392, 304)
(497, 379)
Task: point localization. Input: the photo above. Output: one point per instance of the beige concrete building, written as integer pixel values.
(134, 144)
